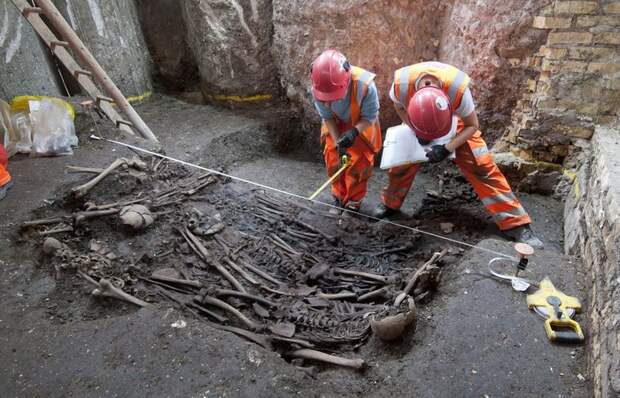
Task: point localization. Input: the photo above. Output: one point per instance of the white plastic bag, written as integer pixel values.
(402, 147)
(53, 131)
(23, 129)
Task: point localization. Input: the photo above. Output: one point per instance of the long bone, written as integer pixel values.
(105, 288)
(83, 189)
(202, 253)
(414, 278)
(230, 309)
(323, 357)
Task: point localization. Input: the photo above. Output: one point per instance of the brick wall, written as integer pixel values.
(577, 84)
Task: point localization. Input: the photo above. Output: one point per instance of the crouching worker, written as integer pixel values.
(345, 97)
(430, 97)
(5, 177)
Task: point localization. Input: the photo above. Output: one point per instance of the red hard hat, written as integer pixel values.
(330, 76)
(430, 113)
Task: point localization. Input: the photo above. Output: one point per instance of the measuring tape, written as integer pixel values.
(300, 197)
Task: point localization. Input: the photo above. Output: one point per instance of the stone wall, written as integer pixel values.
(592, 229)
(377, 35)
(231, 42)
(492, 42)
(24, 66)
(174, 66)
(577, 85)
(111, 31)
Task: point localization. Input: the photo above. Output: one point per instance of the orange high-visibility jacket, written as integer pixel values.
(454, 81)
(360, 79)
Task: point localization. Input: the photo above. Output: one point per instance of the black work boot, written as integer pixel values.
(382, 211)
(524, 234)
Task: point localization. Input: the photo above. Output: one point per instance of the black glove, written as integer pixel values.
(346, 140)
(437, 153)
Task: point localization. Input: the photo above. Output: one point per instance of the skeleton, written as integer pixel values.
(256, 278)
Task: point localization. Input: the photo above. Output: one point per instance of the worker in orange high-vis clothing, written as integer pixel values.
(5, 177)
(430, 97)
(345, 97)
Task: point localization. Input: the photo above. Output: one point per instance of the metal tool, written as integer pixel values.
(557, 308)
(519, 284)
(345, 163)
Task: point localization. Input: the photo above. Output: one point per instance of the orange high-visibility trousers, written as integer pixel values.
(5, 177)
(352, 184)
(479, 168)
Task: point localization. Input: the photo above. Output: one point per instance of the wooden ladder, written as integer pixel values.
(92, 70)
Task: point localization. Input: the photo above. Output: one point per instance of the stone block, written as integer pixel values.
(551, 23)
(575, 130)
(604, 68)
(553, 53)
(588, 108)
(612, 8)
(593, 53)
(569, 38)
(589, 21)
(547, 10)
(575, 7)
(607, 38)
(604, 120)
(564, 66)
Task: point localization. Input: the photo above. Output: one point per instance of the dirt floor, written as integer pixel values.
(474, 336)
